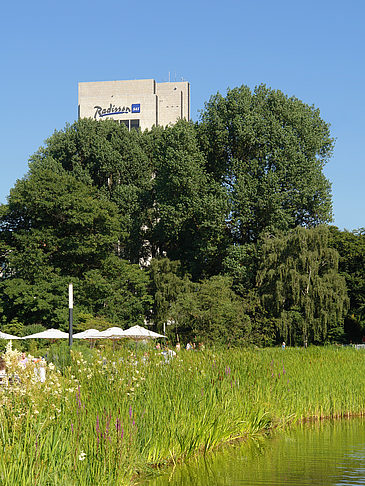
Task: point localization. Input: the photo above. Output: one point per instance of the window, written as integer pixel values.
(134, 124)
(130, 124)
(125, 122)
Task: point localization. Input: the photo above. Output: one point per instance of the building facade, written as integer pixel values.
(136, 103)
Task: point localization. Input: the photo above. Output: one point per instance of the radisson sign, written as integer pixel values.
(116, 110)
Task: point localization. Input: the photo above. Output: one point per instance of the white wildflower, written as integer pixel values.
(82, 456)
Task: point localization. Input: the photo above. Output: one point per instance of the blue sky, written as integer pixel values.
(313, 50)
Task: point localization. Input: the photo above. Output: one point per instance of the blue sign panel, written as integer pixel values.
(136, 108)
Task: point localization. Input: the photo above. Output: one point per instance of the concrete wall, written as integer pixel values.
(173, 102)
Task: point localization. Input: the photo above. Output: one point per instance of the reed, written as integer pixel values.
(112, 417)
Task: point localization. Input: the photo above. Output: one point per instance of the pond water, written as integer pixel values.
(327, 453)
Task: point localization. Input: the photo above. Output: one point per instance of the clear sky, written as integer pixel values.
(314, 50)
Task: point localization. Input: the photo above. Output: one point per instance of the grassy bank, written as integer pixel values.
(111, 417)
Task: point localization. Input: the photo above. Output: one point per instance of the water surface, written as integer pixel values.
(327, 453)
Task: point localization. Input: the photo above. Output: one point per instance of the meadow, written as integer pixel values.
(115, 417)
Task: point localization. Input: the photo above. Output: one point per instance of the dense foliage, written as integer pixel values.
(217, 228)
(299, 282)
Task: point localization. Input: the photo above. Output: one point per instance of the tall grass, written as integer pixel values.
(116, 415)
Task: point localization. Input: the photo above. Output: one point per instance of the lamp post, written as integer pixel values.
(70, 312)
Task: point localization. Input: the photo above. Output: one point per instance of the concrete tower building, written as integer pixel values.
(137, 103)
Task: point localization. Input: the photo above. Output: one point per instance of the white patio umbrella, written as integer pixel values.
(88, 334)
(48, 334)
(113, 333)
(4, 335)
(140, 333)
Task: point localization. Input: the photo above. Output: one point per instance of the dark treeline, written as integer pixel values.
(220, 228)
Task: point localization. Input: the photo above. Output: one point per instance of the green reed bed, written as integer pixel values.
(112, 417)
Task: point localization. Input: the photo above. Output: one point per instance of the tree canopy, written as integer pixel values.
(218, 227)
(351, 248)
(299, 281)
(268, 150)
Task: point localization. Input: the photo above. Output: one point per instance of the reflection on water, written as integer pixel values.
(329, 453)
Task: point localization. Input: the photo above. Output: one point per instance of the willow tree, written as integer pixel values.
(300, 285)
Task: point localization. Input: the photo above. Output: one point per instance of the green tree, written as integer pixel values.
(189, 206)
(211, 312)
(167, 283)
(88, 321)
(54, 221)
(43, 300)
(300, 285)
(351, 248)
(240, 263)
(14, 327)
(118, 291)
(113, 160)
(268, 150)
(53, 229)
